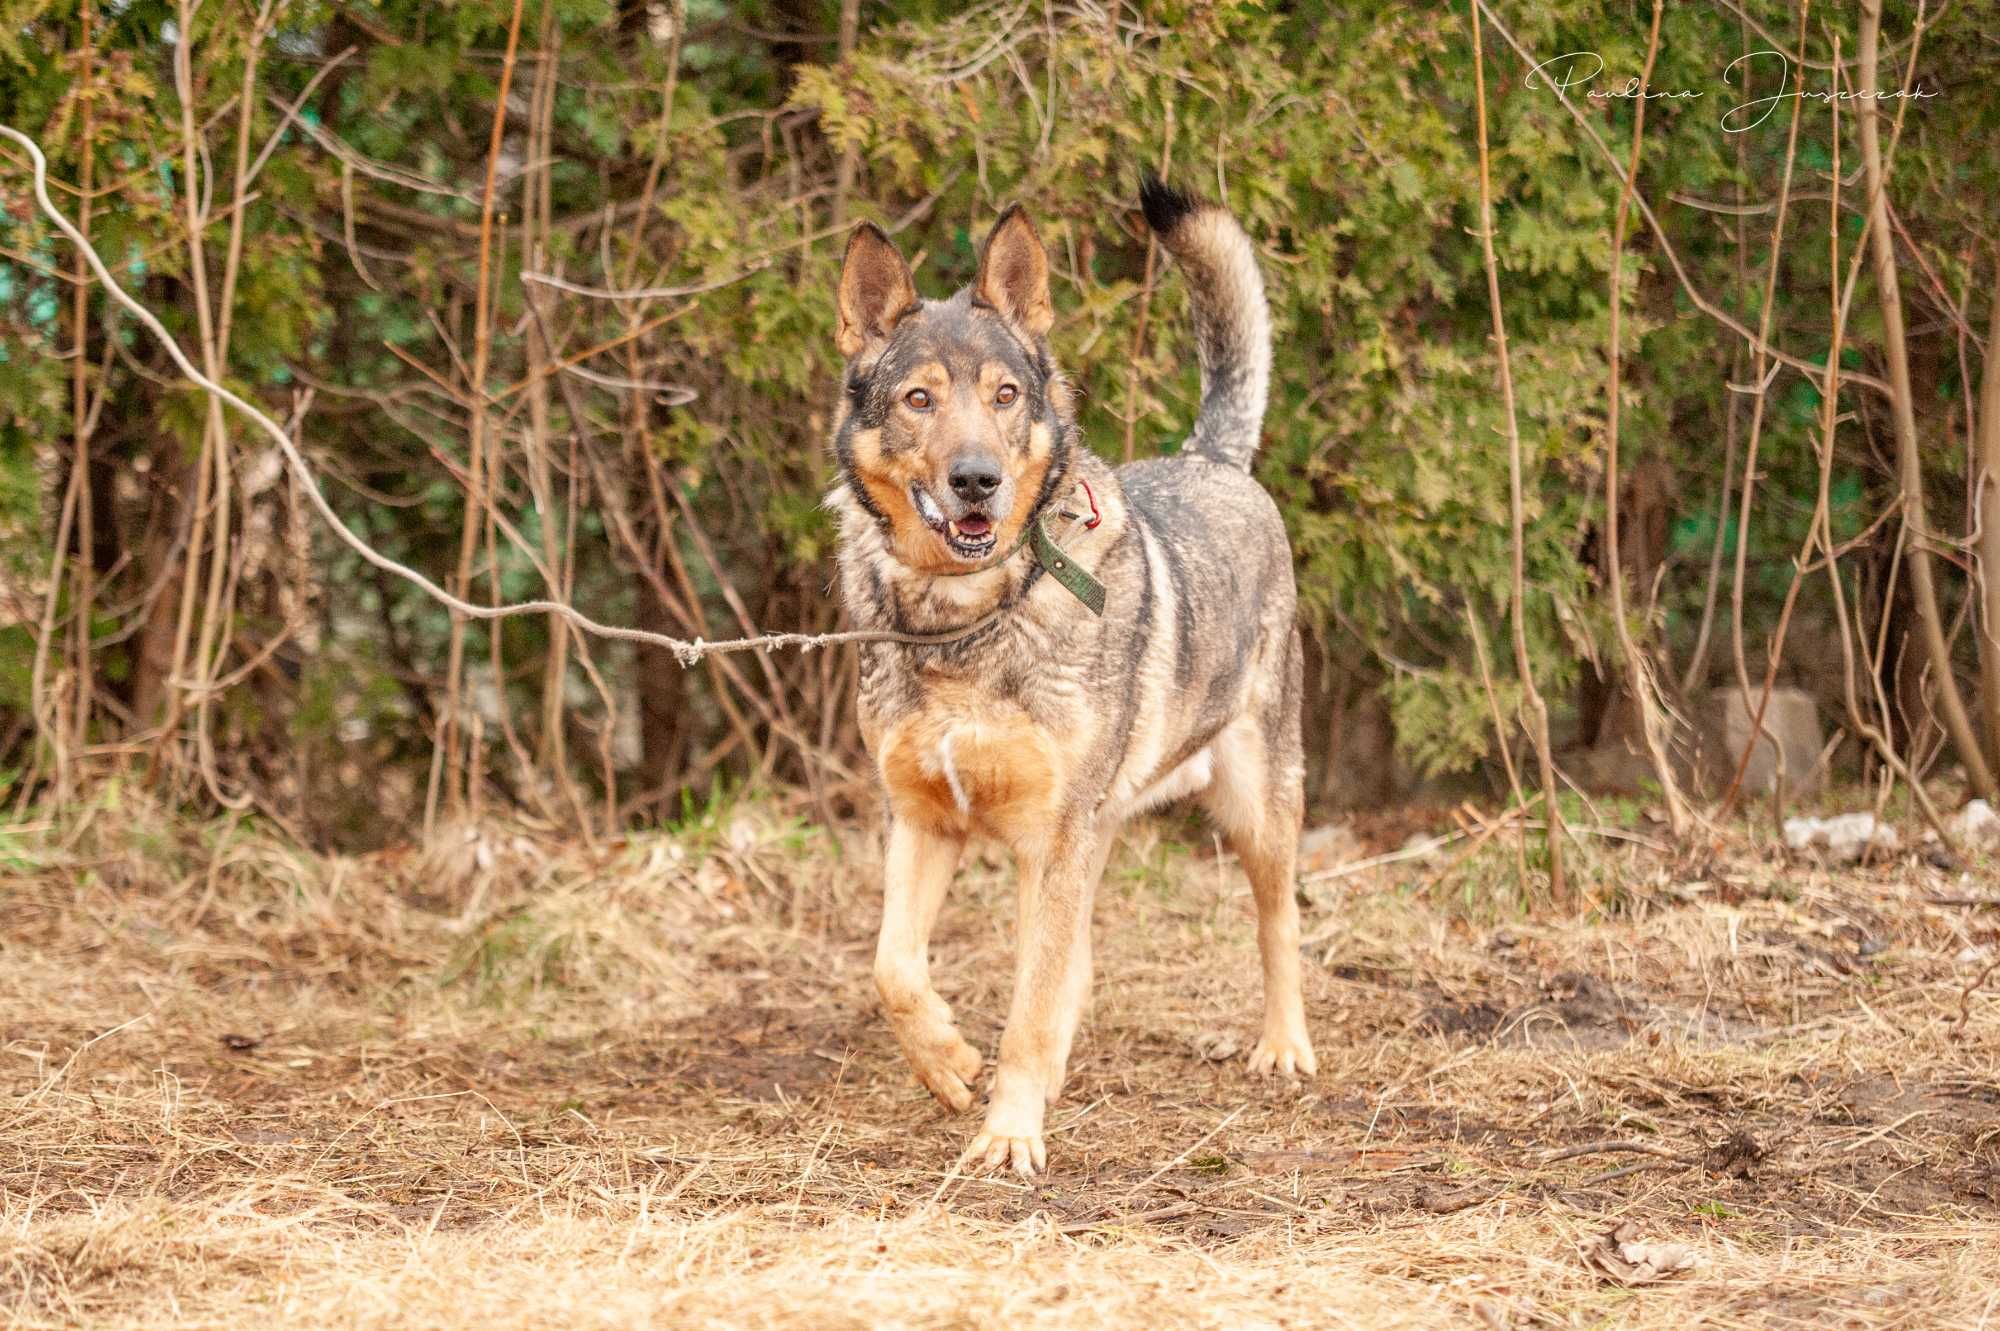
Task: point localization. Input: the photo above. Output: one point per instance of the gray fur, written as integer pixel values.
(1051, 726)
(1232, 322)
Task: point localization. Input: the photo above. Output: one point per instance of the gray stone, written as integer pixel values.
(1842, 839)
(1791, 717)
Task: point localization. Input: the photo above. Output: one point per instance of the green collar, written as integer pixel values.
(1064, 569)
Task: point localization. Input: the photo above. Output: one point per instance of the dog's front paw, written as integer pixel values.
(1288, 1052)
(998, 1150)
(1012, 1135)
(947, 1067)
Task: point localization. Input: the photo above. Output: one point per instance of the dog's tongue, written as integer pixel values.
(973, 525)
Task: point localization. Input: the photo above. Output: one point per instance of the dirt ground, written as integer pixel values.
(513, 1083)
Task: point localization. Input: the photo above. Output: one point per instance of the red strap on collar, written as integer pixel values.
(1095, 516)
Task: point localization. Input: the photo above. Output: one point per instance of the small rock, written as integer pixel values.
(1327, 847)
(1658, 1260)
(1725, 723)
(1842, 839)
(1975, 825)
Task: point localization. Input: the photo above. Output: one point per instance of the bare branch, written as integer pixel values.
(686, 652)
(1694, 293)
(1536, 711)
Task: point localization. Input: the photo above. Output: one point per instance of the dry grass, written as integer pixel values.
(516, 1085)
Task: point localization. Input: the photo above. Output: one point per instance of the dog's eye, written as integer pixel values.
(917, 400)
(1005, 397)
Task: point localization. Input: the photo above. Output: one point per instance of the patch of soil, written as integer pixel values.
(764, 1054)
(1583, 1010)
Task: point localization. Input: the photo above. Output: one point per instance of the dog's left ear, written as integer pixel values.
(1014, 273)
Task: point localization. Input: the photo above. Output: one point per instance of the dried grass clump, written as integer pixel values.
(643, 1083)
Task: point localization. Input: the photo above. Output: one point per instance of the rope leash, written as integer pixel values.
(685, 652)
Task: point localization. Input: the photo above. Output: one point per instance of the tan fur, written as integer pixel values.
(887, 479)
(964, 765)
(920, 865)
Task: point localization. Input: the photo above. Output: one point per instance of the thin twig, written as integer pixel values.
(1534, 709)
(1416, 852)
(1638, 669)
(686, 652)
(1145, 299)
(478, 490)
(1616, 1146)
(1759, 731)
(1642, 1167)
(1909, 454)
(1965, 997)
(1502, 737)
(1986, 510)
(645, 293)
(85, 595)
(1667, 250)
(1173, 1211)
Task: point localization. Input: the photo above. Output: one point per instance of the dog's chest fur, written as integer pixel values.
(1055, 712)
(991, 734)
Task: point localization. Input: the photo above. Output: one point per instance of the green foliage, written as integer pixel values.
(709, 156)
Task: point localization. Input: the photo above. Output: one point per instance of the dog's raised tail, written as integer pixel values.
(1232, 323)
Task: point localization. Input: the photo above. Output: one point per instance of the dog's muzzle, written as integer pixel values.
(971, 534)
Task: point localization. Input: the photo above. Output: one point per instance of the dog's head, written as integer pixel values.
(955, 425)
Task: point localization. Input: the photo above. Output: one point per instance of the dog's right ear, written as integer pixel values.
(875, 290)
(1014, 273)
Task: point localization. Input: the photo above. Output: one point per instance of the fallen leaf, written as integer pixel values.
(1626, 1258)
(1217, 1047)
(1439, 1202)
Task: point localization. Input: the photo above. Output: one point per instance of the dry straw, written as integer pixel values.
(645, 1085)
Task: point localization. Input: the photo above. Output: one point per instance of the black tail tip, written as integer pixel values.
(1165, 206)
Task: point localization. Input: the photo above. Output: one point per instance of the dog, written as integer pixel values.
(1133, 636)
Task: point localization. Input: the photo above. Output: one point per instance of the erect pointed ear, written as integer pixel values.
(875, 290)
(1014, 273)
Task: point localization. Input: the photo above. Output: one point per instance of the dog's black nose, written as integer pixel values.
(972, 479)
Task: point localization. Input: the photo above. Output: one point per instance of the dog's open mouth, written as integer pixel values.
(970, 535)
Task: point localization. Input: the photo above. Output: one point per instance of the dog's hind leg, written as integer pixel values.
(918, 869)
(1257, 799)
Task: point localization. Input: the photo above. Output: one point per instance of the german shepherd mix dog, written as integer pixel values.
(1053, 723)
